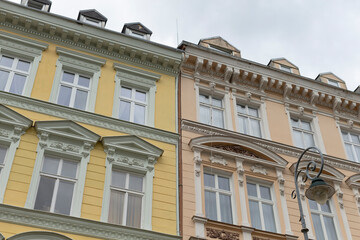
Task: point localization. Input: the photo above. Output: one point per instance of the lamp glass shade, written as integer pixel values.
(319, 191)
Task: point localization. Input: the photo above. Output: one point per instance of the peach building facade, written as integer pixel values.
(243, 128)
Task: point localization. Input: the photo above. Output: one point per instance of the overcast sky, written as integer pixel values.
(316, 35)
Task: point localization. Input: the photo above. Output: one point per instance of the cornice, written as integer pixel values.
(237, 74)
(94, 119)
(75, 34)
(280, 148)
(73, 225)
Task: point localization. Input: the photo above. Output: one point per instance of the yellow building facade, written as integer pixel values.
(88, 128)
(243, 127)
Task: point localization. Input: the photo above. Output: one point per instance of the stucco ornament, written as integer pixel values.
(221, 234)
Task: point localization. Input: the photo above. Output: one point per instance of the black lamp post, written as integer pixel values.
(318, 191)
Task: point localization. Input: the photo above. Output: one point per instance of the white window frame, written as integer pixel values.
(136, 79)
(260, 106)
(314, 123)
(134, 102)
(24, 49)
(259, 182)
(12, 126)
(285, 68)
(321, 213)
(75, 62)
(211, 107)
(333, 82)
(122, 155)
(353, 132)
(217, 191)
(55, 139)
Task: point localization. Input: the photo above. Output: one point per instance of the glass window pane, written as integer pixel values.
(251, 188)
(69, 169)
(116, 207)
(140, 96)
(269, 219)
(80, 99)
(51, 165)
(84, 81)
(241, 109)
(6, 61)
(64, 197)
(255, 127)
(125, 92)
(3, 79)
(218, 118)
(23, 66)
(349, 152)
(357, 152)
(243, 125)
(309, 140)
(209, 180)
(255, 214)
(3, 151)
(330, 228)
(326, 207)
(118, 179)
(294, 122)
(225, 208)
(313, 205)
(45, 193)
(354, 138)
(265, 192)
(210, 205)
(124, 111)
(64, 96)
(317, 226)
(17, 84)
(305, 125)
(204, 99)
(224, 183)
(217, 102)
(205, 115)
(139, 114)
(133, 216)
(253, 112)
(68, 77)
(345, 136)
(135, 182)
(298, 139)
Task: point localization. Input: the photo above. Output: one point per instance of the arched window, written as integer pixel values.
(38, 235)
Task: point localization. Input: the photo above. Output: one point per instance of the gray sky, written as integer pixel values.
(317, 36)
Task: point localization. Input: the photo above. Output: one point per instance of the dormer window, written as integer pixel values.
(333, 83)
(220, 45)
(220, 49)
(285, 68)
(42, 5)
(92, 17)
(137, 29)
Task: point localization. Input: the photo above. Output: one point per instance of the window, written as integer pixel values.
(134, 98)
(323, 221)
(13, 74)
(137, 34)
(333, 83)
(3, 151)
(76, 80)
(74, 90)
(218, 198)
(249, 120)
(19, 60)
(211, 110)
(302, 133)
(285, 68)
(133, 104)
(92, 21)
(261, 206)
(352, 145)
(126, 198)
(36, 5)
(56, 188)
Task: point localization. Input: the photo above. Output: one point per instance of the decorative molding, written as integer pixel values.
(236, 149)
(339, 195)
(74, 225)
(281, 181)
(87, 118)
(240, 170)
(218, 159)
(221, 234)
(257, 168)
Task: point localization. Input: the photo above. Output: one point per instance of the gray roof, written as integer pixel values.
(92, 13)
(136, 26)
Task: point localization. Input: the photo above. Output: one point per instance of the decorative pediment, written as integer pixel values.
(238, 148)
(328, 173)
(220, 44)
(38, 235)
(353, 181)
(67, 129)
(10, 117)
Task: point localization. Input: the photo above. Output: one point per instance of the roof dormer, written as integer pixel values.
(43, 5)
(92, 17)
(284, 65)
(137, 29)
(220, 45)
(331, 79)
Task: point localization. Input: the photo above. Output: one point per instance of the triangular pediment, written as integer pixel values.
(10, 117)
(137, 26)
(67, 129)
(132, 144)
(220, 44)
(92, 13)
(282, 61)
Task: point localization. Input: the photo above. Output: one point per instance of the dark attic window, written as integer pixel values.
(35, 5)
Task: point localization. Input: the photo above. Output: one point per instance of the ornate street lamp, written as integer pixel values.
(318, 191)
